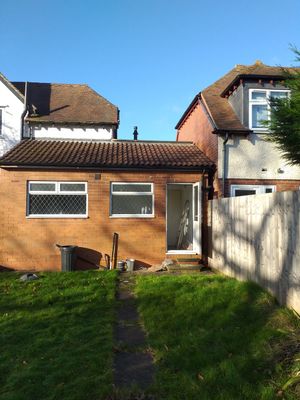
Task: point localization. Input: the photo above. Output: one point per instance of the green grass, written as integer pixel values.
(215, 338)
(56, 336)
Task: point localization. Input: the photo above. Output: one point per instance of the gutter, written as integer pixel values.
(99, 169)
(25, 112)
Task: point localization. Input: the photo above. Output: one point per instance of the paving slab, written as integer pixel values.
(133, 369)
(133, 365)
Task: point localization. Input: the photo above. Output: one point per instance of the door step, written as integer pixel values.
(189, 260)
(185, 267)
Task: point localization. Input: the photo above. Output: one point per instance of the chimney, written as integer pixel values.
(135, 133)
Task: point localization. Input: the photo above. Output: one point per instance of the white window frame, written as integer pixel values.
(112, 193)
(56, 191)
(264, 102)
(260, 189)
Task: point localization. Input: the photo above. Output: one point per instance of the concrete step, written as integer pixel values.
(185, 267)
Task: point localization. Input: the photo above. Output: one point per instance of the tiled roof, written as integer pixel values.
(219, 108)
(64, 103)
(101, 154)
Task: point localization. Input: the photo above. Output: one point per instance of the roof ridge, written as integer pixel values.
(52, 83)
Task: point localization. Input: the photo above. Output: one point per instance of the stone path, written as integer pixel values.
(133, 364)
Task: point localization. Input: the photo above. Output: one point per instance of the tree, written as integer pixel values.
(284, 125)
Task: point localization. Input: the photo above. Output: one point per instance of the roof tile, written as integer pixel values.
(100, 154)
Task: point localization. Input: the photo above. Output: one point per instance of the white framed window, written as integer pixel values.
(52, 199)
(131, 200)
(259, 105)
(246, 190)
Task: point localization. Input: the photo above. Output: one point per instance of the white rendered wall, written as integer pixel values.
(12, 109)
(55, 132)
(248, 156)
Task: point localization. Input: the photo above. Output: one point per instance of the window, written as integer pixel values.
(259, 105)
(132, 200)
(246, 190)
(57, 199)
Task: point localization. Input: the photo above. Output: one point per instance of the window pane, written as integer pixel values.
(132, 188)
(72, 187)
(244, 192)
(260, 96)
(259, 114)
(279, 95)
(57, 204)
(269, 190)
(126, 204)
(42, 187)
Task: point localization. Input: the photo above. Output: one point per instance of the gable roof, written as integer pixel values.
(66, 104)
(134, 155)
(220, 111)
(8, 84)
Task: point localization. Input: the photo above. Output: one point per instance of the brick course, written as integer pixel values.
(29, 244)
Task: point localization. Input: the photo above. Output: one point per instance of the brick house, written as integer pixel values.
(50, 110)
(153, 194)
(224, 120)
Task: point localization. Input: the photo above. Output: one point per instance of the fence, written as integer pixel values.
(257, 238)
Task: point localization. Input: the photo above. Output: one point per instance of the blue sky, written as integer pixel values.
(148, 57)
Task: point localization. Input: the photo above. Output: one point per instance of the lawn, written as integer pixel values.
(215, 338)
(56, 336)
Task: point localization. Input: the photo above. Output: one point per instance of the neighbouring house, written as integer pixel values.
(50, 110)
(153, 194)
(225, 122)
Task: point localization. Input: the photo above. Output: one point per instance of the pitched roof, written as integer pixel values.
(222, 114)
(102, 154)
(67, 104)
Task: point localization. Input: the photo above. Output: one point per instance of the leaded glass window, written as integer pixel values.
(57, 199)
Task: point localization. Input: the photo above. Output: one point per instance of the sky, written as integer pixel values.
(150, 58)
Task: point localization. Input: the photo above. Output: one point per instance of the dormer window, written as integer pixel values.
(259, 106)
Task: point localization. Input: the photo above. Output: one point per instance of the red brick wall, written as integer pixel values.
(197, 128)
(29, 244)
(281, 185)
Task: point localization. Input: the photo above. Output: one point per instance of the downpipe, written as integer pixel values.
(224, 162)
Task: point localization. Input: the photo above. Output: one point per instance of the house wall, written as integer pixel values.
(12, 109)
(197, 128)
(248, 156)
(75, 132)
(29, 244)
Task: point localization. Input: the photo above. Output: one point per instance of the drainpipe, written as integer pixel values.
(25, 111)
(224, 161)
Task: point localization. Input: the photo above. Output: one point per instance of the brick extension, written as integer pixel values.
(29, 244)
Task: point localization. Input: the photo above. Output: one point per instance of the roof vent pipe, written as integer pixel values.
(135, 133)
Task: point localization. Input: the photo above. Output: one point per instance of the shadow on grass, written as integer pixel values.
(214, 337)
(56, 336)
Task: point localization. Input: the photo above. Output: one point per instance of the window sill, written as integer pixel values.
(57, 216)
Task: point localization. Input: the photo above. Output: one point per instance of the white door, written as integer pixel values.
(197, 217)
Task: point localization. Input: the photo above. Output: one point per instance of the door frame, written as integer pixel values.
(200, 217)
